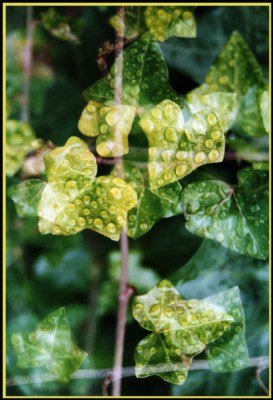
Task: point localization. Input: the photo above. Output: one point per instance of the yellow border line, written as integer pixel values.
(5, 5)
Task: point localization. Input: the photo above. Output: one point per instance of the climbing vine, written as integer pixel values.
(164, 149)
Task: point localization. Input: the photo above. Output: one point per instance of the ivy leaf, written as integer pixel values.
(50, 346)
(175, 149)
(224, 104)
(59, 26)
(133, 24)
(144, 78)
(181, 329)
(235, 69)
(164, 22)
(250, 120)
(74, 199)
(26, 196)
(229, 352)
(19, 139)
(235, 217)
(150, 207)
(111, 123)
(264, 108)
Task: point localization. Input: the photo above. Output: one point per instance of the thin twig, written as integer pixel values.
(259, 380)
(260, 363)
(27, 65)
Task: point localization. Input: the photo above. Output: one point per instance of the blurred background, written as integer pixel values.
(81, 272)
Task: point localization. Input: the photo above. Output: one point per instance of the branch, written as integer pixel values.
(260, 363)
(27, 65)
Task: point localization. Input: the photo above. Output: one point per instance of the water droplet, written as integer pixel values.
(252, 248)
(71, 185)
(111, 228)
(188, 18)
(156, 113)
(116, 193)
(143, 226)
(209, 143)
(94, 204)
(70, 207)
(220, 237)
(199, 126)
(81, 221)
(112, 210)
(213, 155)
(155, 310)
(181, 155)
(166, 155)
(134, 91)
(169, 311)
(200, 157)
(138, 308)
(86, 211)
(152, 151)
(223, 79)
(56, 230)
(215, 135)
(212, 119)
(171, 135)
(181, 170)
(98, 223)
(255, 208)
(90, 107)
(103, 128)
(111, 118)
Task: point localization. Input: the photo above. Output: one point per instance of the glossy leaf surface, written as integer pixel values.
(19, 136)
(74, 199)
(229, 352)
(181, 329)
(164, 22)
(175, 148)
(150, 207)
(144, 77)
(112, 125)
(26, 196)
(235, 217)
(50, 346)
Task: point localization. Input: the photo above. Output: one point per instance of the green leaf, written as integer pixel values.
(229, 352)
(26, 196)
(111, 123)
(133, 24)
(19, 138)
(250, 120)
(264, 108)
(181, 329)
(74, 199)
(224, 104)
(144, 78)
(175, 149)
(235, 69)
(50, 346)
(150, 207)
(59, 26)
(164, 22)
(236, 217)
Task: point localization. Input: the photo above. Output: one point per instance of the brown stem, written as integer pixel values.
(27, 65)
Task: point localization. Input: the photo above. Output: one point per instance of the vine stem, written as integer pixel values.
(124, 291)
(260, 363)
(27, 65)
